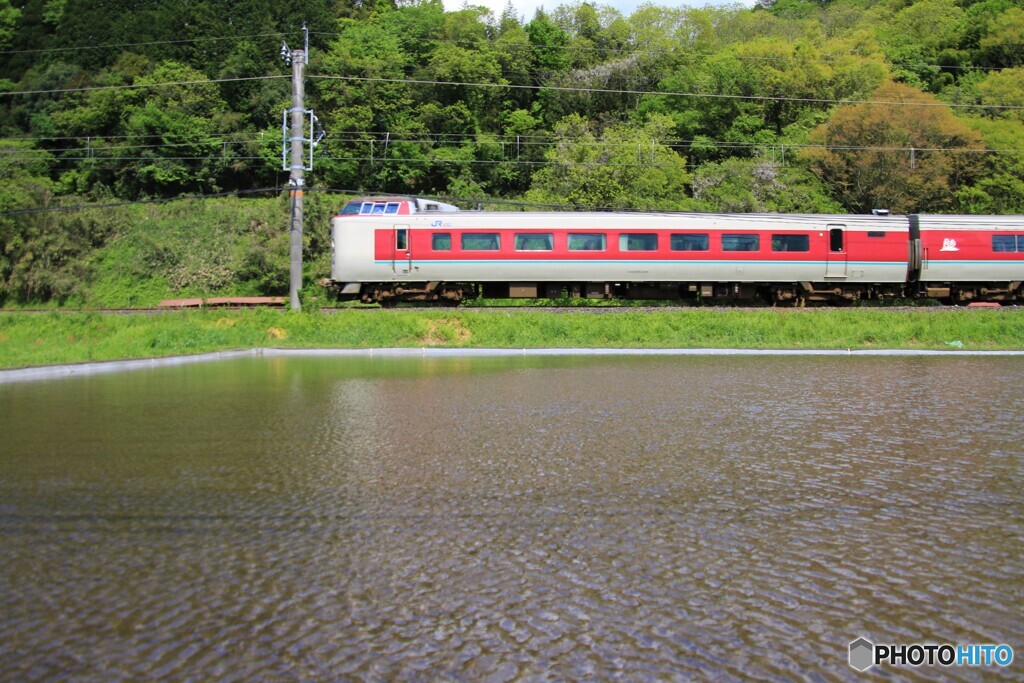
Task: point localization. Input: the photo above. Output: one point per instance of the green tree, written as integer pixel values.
(916, 36)
(1004, 44)
(24, 180)
(32, 114)
(760, 185)
(514, 53)
(587, 39)
(1003, 88)
(364, 50)
(999, 189)
(166, 138)
(255, 100)
(909, 156)
(417, 27)
(43, 254)
(29, 32)
(358, 112)
(978, 19)
(760, 90)
(625, 167)
(453, 64)
(549, 44)
(8, 21)
(931, 24)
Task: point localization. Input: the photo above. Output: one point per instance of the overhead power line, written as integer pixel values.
(560, 88)
(95, 149)
(519, 204)
(510, 151)
(110, 205)
(65, 159)
(683, 51)
(144, 44)
(374, 159)
(137, 86)
(102, 143)
(624, 91)
(548, 141)
(131, 136)
(624, 51)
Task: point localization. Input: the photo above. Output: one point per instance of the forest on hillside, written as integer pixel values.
(791, 106)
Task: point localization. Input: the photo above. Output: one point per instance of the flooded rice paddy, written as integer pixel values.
(510, 519)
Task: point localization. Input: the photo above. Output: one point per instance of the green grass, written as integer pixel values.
(57, 337)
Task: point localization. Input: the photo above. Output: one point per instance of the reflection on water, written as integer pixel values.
(461, 519)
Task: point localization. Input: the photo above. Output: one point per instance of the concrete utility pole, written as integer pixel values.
(298, 117)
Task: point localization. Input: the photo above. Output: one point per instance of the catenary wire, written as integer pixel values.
(560, 88)
(136, 86)
(136, 202)
(626, 91)
(364, 193)
(641, 51)
(43, 50)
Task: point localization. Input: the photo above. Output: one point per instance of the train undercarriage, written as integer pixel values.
(778, 294)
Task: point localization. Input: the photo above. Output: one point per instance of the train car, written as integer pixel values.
(970, 258)
(389, 249)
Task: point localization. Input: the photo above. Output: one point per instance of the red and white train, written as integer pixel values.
(394, 249)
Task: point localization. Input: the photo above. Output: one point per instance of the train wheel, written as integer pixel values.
(386, 298)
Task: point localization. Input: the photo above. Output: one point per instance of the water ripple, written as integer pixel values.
(651, 519)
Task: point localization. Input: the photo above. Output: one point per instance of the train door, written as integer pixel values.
(835, 261)
(401, 250)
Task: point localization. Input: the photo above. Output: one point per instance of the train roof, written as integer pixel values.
(412, 204)
(406, 205)
(972, 222)
(534, 220)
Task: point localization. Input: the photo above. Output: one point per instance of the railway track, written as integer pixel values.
(592, 310)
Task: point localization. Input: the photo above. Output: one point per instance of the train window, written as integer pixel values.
(391, 208)
(350, 209)
(689, 242)
(741, 243)
(647, 242)
(791, 243)
(441, 241)
(587, 241)
(378, 209)
(366, 209)
(1007, 243)
(533, 242)
(835, 239)
(401, 239)
(480, 241)
(876, 233)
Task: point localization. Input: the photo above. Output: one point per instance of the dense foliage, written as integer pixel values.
(793, 105)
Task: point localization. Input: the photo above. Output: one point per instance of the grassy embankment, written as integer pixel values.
(50, 338)
(135, 256)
